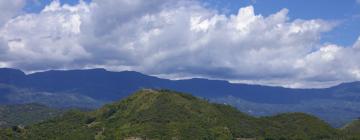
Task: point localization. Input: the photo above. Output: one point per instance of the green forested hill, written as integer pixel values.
(353, 128)
(162, 114)
(25, 114)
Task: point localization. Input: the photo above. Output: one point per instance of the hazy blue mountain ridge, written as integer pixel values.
(93, 87)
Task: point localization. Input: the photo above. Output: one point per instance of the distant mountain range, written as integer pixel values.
(92, 88)
(164, 114)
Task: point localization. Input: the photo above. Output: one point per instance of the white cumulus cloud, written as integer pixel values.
(179, 39)
(45, 40)
(9, 9)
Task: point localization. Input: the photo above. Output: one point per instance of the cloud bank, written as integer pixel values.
(10, 9)
(177, 39)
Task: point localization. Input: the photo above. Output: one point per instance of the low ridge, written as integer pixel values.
(25, 114)
(353, 128)
(165, 114)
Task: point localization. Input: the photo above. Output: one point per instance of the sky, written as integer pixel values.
(297, 43)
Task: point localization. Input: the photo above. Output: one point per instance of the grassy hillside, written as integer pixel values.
(162, 114)
(298, 126)
(25, 114)
(353, 128)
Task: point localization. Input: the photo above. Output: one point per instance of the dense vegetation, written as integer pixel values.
(25, 114)
(353, 129)
(163, 114)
